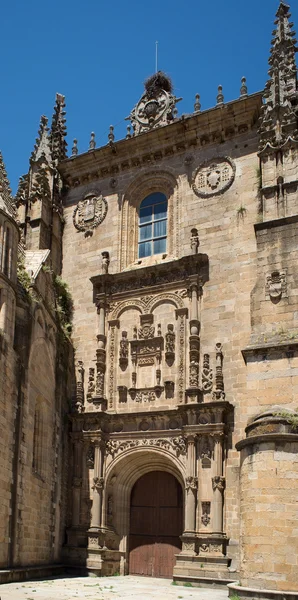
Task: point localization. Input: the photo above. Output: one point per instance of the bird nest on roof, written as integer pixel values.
(157, 82)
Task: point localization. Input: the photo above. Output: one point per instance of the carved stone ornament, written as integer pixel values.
(206, 507)
(276, 286)
(98, 484)
(218, 483)
(207, 375)
(90, 457)
(213, 177)
(90, 212)
(154, 109)
(191, 483)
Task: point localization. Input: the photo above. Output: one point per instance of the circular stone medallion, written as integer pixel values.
(213, 177)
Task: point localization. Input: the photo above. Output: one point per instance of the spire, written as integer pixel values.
(6, 200)
(42, 147)
(279, 114)
(58, 130)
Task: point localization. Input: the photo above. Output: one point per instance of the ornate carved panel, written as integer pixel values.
(90, 212)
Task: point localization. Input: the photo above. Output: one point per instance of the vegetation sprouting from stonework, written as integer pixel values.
(291, 418)
(157, 82)
(63, 301)
(64, 306)
(23, 276)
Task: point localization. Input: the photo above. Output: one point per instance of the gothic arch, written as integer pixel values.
(149, 181)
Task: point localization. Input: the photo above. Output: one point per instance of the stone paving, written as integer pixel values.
(107, 588)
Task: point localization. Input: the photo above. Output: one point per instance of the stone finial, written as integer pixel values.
(128, 130)
(42, 147)
(220, 96)
(105, 262)
(278, 119)
(111, 135)
(58, 130)
(197, 105)
(243, 89)
(92, 143)
(6, 200)
(74, 150)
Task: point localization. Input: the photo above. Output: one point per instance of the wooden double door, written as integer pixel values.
(156, 524)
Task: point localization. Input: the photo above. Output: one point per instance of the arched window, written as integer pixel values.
(153, 225)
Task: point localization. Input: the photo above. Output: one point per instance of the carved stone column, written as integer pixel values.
(98, 484)
(218, 485)
(181, 315)
(191, 486)
(193, 392)
(99, 398)
(219, 393)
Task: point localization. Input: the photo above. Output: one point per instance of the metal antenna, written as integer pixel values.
(156, 56)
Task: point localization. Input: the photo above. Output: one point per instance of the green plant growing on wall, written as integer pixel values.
(291, 418)
(64, 304)
(241, 212)
(23, 276)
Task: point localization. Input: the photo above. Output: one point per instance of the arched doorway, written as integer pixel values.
(156, 524)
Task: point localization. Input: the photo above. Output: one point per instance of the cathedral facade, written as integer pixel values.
(149, 343)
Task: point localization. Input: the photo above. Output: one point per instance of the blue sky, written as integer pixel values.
(98, 53)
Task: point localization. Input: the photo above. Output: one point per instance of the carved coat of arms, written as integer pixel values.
(89, 213)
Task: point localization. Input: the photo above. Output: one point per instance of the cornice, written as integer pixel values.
(156, 277)
(203, 129)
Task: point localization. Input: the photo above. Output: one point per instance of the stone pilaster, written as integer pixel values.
(98, 484)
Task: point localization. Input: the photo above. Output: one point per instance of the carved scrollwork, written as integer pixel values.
(176, 445)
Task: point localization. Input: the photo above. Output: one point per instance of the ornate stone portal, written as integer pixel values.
(155, 417)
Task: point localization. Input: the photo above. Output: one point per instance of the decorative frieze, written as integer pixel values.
(176, 445)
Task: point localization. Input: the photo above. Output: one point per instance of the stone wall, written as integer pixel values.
(269, 488)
